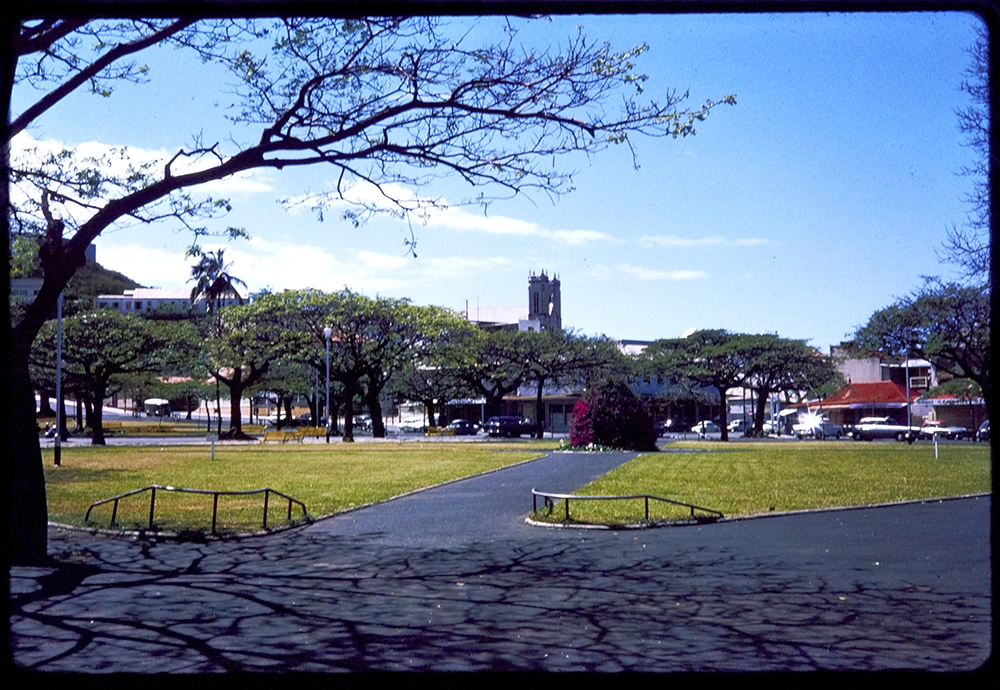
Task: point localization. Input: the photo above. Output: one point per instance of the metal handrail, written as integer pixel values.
(152, 488)
(550, 503)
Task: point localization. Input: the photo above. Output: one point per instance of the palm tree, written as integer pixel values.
(214, 282)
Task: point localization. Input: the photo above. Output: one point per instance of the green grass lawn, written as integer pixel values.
(327, 478)
(752, 478)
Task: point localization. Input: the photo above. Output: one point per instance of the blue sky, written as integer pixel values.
(817, 199)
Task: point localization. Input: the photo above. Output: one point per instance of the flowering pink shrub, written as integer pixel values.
(581, 433)
(611, 415)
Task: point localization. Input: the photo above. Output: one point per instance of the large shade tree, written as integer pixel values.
(945, 323)
(782, 365)
(239, 354)
(714, 358)
(968, 244)
(386, 102)
(492, 363)
(98, 349)
(565, 357)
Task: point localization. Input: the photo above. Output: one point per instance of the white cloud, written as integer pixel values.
(658, 274)
(289, 264)
(670, 241)
(24, 147)
(145, 265)
(439, 213)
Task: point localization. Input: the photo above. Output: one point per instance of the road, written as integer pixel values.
(452, 579)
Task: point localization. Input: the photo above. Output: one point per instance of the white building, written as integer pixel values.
(171, 301)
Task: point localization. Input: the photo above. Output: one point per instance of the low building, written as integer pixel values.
(954, 410)
(151, 301)
(870, 399)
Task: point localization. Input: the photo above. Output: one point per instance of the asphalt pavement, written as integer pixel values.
(452, 579)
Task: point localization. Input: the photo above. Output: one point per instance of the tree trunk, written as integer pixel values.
(375, 410)
(63, 420)
(95, 419)
(277, 413)
(44, 405)
(724, 414)
(288, 409)
(349, 416)
(218, 407)
(28, 535)
(334, 414)
(431, 412)
(539, 415)
(235, 395)
(760, 409)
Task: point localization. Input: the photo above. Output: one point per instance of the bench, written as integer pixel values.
(439, 431)
(281, 436)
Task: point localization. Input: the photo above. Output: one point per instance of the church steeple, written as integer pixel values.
(544, 301)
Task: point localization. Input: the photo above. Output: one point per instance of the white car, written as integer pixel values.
(935, 427)
(817, 427)
(705, 427)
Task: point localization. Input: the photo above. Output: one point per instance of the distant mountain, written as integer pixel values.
(89, 282)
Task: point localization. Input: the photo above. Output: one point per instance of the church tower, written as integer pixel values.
(544, 301)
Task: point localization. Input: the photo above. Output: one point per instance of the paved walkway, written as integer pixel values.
(452, 579)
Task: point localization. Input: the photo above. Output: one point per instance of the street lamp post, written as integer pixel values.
(327, 332)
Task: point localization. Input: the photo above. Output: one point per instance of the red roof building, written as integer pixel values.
(878, 394)
(874, 399)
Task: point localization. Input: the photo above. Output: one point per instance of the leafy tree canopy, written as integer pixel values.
(945, 323)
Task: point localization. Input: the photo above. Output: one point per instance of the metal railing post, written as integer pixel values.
(267, 491)
(215, 509)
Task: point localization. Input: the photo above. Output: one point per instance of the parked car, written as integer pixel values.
(983, 434)
(816, 427)
(738, 426)
(463, 427)
(871, 428)
(705, 427)
(363, 422)
(936, 427)
(508, 426)
(663, 426)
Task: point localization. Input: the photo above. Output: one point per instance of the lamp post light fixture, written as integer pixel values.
(327, 332)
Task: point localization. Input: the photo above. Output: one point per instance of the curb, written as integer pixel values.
(740, 518)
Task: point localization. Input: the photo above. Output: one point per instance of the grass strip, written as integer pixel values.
(327, 478)
(741, 479)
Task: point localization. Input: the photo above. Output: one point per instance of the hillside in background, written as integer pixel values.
(89, 282)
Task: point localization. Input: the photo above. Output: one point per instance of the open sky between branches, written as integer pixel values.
(816, 200)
